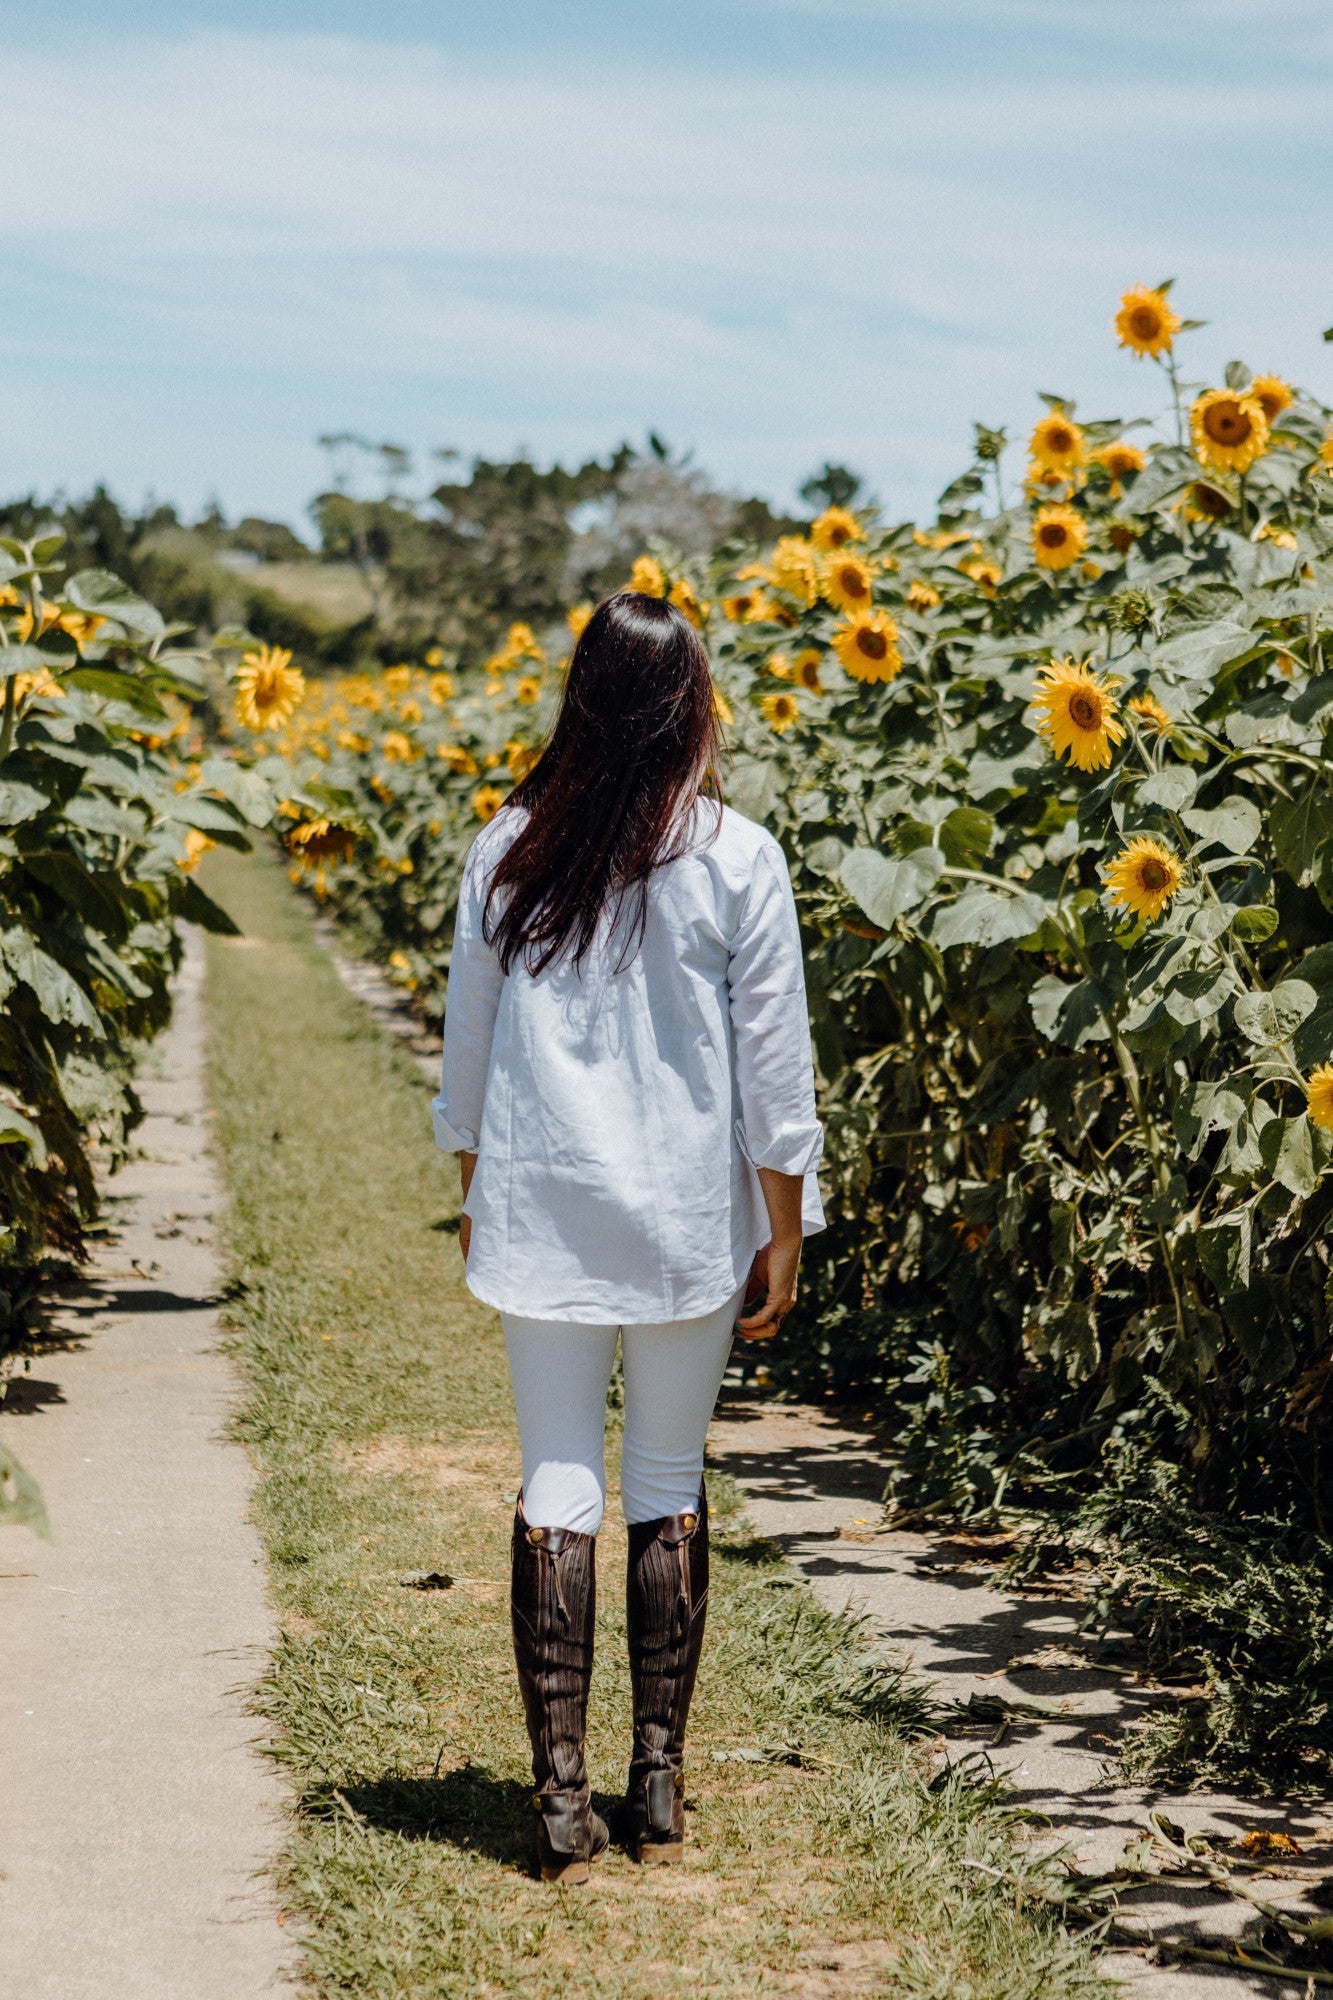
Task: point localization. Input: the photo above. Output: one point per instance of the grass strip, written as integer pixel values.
(829, 1852)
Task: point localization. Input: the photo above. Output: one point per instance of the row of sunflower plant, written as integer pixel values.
(1052, 778)
(107, 801)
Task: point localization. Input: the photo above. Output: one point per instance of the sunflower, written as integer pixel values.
(528, 690)
(434, 656)
(748, 607)
(196, 847)
(1151, 714)
(521, 643)
(82, 626)
(441, 689)
(398, 748)
(1059, 536)
(1144, 877)
(268, 688)
(398, 680)
(805, 670)
(410, 711)
(684, 599)
(794, 569)
(867, 645)
(1056, 445)
(780, 711)
(520, 759)
(648, 577)
(1118, 459)
(922, 596)
(577, 619)
(986, 575)
(487, 801)
(1080, 718)
(1272, 394)
(722, 708)
(1326, 452)
(1146, 322)
(349, 740)
(319, 841)
(460, 761)
(1205, 502)
(1228, 430)
(848, 582)
(835, 527)
(1319, 1097)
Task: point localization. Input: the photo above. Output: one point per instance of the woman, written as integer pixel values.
(627, 1077)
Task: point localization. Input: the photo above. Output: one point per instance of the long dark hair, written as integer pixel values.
(636, 739)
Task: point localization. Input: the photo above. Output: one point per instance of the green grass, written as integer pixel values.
(830, 1850)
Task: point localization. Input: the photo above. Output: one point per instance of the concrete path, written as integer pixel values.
(813, 1486)
(136, 1816)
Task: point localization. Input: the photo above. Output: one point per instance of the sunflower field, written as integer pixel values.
(107, 801)
(1052, 776)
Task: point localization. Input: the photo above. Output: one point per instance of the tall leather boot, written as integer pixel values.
(553, 1598)
(666, 1603)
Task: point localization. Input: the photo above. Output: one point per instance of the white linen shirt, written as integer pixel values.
(619, 1115)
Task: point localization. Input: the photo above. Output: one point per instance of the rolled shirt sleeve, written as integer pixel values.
(476, 980)
(775, 1080)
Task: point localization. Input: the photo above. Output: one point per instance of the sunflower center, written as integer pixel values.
(1085, 709)
(1227, 423)
(853, 583)
(1052, 534)
(873, 644)
(1058, 438)
(1146, 322)
(1153, 876)
(838, 536)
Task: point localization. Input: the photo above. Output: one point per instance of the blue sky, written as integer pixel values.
(773, 230)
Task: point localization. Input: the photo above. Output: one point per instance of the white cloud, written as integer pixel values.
(773, 269)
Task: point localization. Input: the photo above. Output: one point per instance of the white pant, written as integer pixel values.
(560, 1374)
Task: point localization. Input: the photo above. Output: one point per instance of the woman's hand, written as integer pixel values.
(773, 1273)
(467, 1166)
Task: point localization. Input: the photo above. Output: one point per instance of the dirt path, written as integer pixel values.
(137, 1815)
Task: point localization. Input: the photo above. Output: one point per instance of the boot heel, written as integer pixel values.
(660, 1853)
(569, 1874)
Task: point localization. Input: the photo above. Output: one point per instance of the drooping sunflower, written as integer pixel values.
(1079, 721)
(460, 761)
(848, 582)
(1057, 445)
(520, 758)
(487, 801)
(320, 840)
(268, 688)
(1228, 430)
(922, 596)
(1206, 502)
(1151, 714)
(780, 711)
(1272, 394)
(748, 607)
(1059, 536)
(805, 670)
(682, 595)
(648, 577)
(1118, 459)
(577, 619)
(722, 708)
(1145, 321)
(1319, 1097)
(527, 690)
(835, 527)
(985, 574)
(867, 645)
(1144, 877)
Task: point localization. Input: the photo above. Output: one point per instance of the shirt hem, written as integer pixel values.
(603, 1315)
